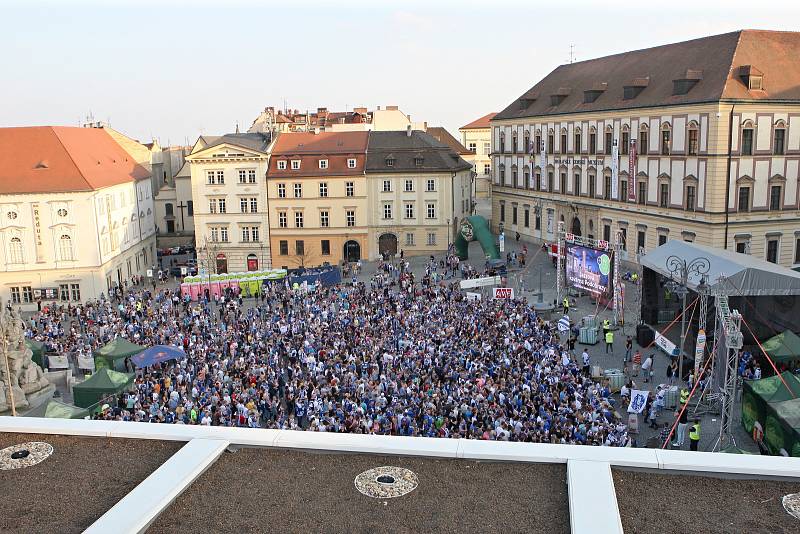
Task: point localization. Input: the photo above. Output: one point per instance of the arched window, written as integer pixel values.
(643, 147)
(527, 142)
(747, 138)
(666, 139)
(514, 146)
(514, 175)
(693, 138)
(663, 191)
(65, 250)
(502, 142)
(779, 138)
(502, 174)
(15, 251)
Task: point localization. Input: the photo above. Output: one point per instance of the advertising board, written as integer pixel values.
(589, 269)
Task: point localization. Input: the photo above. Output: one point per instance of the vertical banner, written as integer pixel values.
(699, 350)
(543, 159)
(632, 172)
(615, 172)
(532, 153)
(37, 232)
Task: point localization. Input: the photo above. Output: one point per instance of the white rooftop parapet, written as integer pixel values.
(592, 498)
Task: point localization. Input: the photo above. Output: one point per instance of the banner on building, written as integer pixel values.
(632, 172)
(699, 349)
(543, 160)
(615, 171)
(638, 401)
(37, 233)
(666, 345)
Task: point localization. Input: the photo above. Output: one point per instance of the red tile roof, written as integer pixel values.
(52, 159)
(310, 148)
(483, 122)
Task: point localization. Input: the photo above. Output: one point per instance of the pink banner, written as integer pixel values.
(632, 172)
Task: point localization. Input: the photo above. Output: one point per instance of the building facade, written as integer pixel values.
(231, 222)
(173, 203)
(317, 194)
(477, 138)
(360, 119)
(418, 190)
(708, 139)
(76, 215)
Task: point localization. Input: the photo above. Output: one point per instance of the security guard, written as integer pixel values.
(684, 396)
(566, 305)
(694, 435)
(609, 342)
(606, 326)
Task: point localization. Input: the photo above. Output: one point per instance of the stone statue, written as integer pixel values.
(26, 377)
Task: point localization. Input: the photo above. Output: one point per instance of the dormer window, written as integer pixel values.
(418, 161)
(755, 83)
(282, 165)
(559, 96)
(590, 95)
(752, 77)
(636, 86)
(351, 163)
(323, 164)
(390, 161)
(295, 164)
(683, 85)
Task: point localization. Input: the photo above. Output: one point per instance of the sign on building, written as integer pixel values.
(504, 293)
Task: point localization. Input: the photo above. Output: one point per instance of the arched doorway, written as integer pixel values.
(222, 263)
(352, 251)
(387, 244)
(576, 226)
(252, 262)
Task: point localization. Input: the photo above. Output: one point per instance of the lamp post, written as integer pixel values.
(680, 270)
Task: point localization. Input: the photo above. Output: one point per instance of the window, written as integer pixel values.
(775, 197)
(527, 141)
(431, 238)
(624, 238)
(502, 212)
(16, 296)
(577, 143)
(607, 232)
(797, 249)
(626, 143)
(409, 240)
(550, 181)
(349, 189)
(255, 232)
(387, 186)
(324, 219)
(281, 190)
(221, 204)
(251, 176)
(550, 144)
(772, 250)
(223, 234)
(526, 218)
(245, 234)
(662, 238)
(190, 208)
(665, 142)
(65, 250)
(663, 195)
(418, 161)
(62, 213)
(323, 164)
(350, 215)
(295, 164)
(526, 175)
(592, 189)
(409, 211)
(693, 141)
(487, 168)
(298, 219)
(282, 165)
(409, 185)
(744, 198)
(243, 205)
(623, 191)
(27, 294)
(562, 187)
(13, 214)
(431, 211)
(390, 162)
(777, 145)
(502, 142)
(592, 143)
(430, 185)
(298, 190)
(502, 174)
(299, 247)
(325, 246)
(641, 236)
(283, 247)
(514, 175)
(487, 148)
(76, 292)
(214, 234)
(351, 164)
(539, 145)
(563, 143)
(323, 189)
(643, 142)
(609, 141)
(607, 187)
(513, 215)
(242, 176)
(212, 177)
(691, 196)
(538, 220)
(576, 184)
(282, 220)
(747, 141)
(387, 211)
(473, 148)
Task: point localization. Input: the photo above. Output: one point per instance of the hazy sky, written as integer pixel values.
(174, 69)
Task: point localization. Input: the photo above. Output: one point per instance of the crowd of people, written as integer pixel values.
(390, 356)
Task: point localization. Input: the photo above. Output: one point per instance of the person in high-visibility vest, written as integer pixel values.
(566, 305)
(684, 396)
(606, 326)
(694, 435)
(609, 342)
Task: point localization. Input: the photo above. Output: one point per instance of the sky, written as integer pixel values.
(174, 69)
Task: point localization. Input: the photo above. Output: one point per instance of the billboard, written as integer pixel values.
(589, 269)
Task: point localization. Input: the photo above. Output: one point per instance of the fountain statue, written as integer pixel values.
(25, 377)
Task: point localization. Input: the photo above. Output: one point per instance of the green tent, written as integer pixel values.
(784, 347)
(100, 385)
(37, 348)
(113, 354)
(59, 410)
(769, 402)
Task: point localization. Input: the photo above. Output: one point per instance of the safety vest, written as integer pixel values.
(684, 396)
(606, 324)
(609, 337)
(566, 302)
(694, 433)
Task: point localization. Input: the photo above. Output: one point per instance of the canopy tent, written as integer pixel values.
(746, 275)
(114, 351)
(157, 354)
(784, 347)
(103, 383)
(59, 410)
(770, 405)
(37, 348)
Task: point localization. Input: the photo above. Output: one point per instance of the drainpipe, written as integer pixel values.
(728, 175)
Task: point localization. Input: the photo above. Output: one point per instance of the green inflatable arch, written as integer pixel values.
(475, 228)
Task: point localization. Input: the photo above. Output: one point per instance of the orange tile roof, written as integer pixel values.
(483, 122)
(321, 143)
(53, 159)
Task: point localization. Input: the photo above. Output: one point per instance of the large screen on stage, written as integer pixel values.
(589, 269)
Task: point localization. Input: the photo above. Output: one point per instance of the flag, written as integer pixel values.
(563, 324)
(638, 401)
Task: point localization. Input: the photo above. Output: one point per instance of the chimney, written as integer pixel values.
(408, 131)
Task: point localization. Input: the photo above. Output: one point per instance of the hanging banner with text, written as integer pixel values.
(632, 172)
(504, 293)
(615, 171)
(37, 233)
(543, 161)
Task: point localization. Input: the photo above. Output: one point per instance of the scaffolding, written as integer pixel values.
(729, 343)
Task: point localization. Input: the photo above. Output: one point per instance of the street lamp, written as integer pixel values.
(680, 270)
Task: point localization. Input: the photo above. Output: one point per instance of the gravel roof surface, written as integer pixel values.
(267, 490)
(78, 483)
(659, 503)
